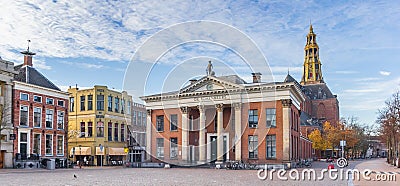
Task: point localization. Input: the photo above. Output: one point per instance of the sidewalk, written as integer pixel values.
(378, 167)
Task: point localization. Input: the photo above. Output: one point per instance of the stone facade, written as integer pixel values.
(7, 73)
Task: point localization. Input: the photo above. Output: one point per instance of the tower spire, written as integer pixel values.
(312, 72)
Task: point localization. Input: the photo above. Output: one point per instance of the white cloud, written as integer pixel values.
(384, 73)
(346, 72)
(41, 65)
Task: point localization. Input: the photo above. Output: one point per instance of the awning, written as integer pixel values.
(116, 151)
(81, 151)
(99, 151)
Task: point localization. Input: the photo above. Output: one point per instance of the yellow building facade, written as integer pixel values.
(98, 125)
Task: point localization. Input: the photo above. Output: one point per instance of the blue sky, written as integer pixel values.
(88, 43)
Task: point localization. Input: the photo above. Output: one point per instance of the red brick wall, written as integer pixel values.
(166, 134)
(330, 111)
(42, 130)
(261, 131)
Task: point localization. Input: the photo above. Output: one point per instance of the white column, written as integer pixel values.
(185, 133)
(238, 131)
(202, 134)
(286, 104)
(149, 126)
(220, 137)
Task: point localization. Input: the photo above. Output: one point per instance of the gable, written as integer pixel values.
(210, 83)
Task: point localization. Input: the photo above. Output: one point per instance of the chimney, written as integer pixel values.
(256, 77)
(28, 56)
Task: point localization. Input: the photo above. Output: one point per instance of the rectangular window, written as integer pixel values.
(24, 96)
(90, 129)
(122, 106)
(50, 101)
(100, 129)
(110, 102)
(122, 132)
(100, 102)
(144, 119)
(37, 117)
(60, 120)
(271, 117)
(23, 116)
(49, 145)
(271, 146)
(253, 118)
(253, 147)
(36, 144)
(23, 144)
(160, 148)
(37, 98)
(116, 105)
(139, 122)
(160, 123)
(60, 103)
(90, 102)
(60, 145)
(173, 152)
(116, 132)
(129, 107)
(134, 117)
(83, 130)
(174, 122)
(82, 103)
(71, 104)
(109, 132)
(216, 122)
(49, 118)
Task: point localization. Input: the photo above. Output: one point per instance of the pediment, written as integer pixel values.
(209, 83)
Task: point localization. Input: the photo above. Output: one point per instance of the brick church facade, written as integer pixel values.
(321, 104)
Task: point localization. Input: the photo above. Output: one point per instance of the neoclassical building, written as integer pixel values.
(221, 118)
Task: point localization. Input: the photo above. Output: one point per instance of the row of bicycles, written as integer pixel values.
(237, 165)
(303, 163)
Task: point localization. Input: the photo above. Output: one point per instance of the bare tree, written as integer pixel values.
(389, 120)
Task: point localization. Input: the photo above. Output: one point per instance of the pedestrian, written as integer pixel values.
(85, 160)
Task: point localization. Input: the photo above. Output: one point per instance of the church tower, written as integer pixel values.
(312, 73)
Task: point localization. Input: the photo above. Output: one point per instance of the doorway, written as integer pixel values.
(212, 147)
(99, 160)
(1, 159)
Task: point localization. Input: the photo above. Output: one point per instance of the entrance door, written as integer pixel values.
(99, 160)
(23, 150)
(1, 159)
(213, 148)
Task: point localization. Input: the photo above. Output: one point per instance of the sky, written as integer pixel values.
(94, 42)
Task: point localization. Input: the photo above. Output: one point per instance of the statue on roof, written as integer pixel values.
(209, 70)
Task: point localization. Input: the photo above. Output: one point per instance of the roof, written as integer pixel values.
(318, 91)
(232, 79)
(30, 75)
(289, 78)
